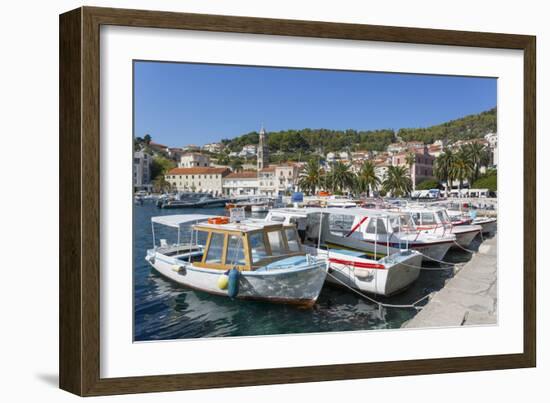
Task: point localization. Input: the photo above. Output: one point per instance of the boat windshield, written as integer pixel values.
(235, 251)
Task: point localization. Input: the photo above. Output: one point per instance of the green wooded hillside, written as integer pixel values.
(324, 140)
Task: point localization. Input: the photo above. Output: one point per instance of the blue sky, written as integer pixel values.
(180, 103)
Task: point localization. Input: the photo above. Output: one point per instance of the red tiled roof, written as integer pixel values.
(153, 144)
(197, 170)
(243, 175)
(268, 169)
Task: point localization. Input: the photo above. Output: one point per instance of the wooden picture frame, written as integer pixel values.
(80, 199)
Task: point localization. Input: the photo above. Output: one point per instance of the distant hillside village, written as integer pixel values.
(259, 164)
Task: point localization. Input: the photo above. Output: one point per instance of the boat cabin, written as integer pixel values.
(247, 245)
(430, 218)
(215, 243)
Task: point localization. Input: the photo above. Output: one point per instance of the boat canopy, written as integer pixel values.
(177, 220)
(358, 211)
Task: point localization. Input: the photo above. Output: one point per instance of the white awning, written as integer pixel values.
(179, 219)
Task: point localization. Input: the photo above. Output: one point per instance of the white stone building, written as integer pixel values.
(191, 160)
(142, 171)
(268, 185)
(241, 183)
(286, 178)
(213, 147)
(198, 179)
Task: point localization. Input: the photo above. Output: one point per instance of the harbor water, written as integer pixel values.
(164, 310)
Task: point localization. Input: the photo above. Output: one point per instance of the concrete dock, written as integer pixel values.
(469, 298)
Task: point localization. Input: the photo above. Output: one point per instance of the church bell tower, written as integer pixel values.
(263, 153)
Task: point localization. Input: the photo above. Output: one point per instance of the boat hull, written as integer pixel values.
(465, 234)
(488, 225)
(430, 250)
(397, 273)
(299, 286)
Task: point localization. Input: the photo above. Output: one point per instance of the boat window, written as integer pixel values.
(428, 218)
(442, 217)
(257, 246)
(216, 246)
(395, 224)
(407, 222)
(292, 240)
(340, 224)
(277, 218)
(235, 251)
(276, 243)
(371, 229)
(416, 218)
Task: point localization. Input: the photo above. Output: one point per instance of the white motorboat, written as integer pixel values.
(376, 232)
(247, 260)
(436, 220)
(260, 208)
(460, 218)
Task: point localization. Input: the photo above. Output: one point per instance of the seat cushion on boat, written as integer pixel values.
(285, 263)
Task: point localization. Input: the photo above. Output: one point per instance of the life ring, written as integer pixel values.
(218, 220)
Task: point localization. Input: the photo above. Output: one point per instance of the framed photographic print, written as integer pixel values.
(248, 201)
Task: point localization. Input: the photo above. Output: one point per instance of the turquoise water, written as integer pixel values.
(165, 310)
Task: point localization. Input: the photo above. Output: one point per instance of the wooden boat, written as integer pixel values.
(246, 260)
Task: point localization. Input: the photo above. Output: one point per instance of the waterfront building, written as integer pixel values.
(197, 179)
(422, 167)
(142, 171)
(241, 183)
(190, 160)
(263, 152)
(267, 183)
(286, 178)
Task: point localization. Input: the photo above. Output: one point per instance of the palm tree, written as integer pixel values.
(160, 184)
(443, 168)
(410, 159)
(366, 178)
(236, 165)
(478, 156)
(340, 177)
(311, 176)
(397, 181)
(462, 167)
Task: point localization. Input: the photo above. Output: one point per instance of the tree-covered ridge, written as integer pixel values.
(468, 127)
(317, 140)
(324, 140)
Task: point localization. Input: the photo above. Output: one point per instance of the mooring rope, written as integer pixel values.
(436, 260)
(463, 248)
(449, 267)
(380, 304)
